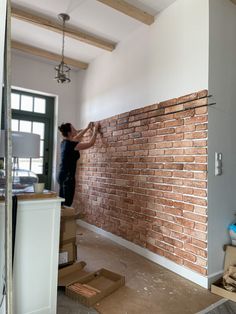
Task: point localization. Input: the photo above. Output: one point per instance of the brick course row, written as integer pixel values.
(145, 179)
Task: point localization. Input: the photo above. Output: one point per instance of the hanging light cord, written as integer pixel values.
(62, 70)
(63, 40)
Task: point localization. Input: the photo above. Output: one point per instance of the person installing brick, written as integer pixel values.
(70, 154)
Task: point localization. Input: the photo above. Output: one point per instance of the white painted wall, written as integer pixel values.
(32, 74)
(222, 127)
(157, 62)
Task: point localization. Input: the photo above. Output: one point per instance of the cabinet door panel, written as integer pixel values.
(36, 257)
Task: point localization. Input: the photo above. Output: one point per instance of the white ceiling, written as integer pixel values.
(89, 15)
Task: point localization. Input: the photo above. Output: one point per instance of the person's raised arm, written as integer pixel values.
(86, 145)
(81, 133)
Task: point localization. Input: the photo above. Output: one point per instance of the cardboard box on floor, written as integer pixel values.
(68, 274)
(70, 213)
(68, 224)
(68, 227)
(67, 252)
(217, 287)
(101, 283)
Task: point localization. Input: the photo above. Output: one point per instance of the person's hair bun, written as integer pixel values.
(65, 128)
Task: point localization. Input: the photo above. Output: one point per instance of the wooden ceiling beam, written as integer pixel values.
(71, 32)
(47, 55)
(130, 10)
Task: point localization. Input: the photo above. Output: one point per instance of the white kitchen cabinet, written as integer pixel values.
(36, 256)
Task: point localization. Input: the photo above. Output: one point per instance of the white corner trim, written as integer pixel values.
(180, 270)
(213, 277)
(212, 306)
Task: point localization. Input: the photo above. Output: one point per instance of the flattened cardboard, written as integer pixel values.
(70, 273)
(103, 280)
(217, 287)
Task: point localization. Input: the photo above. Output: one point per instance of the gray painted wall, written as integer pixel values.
(222, 128)
(2, 216)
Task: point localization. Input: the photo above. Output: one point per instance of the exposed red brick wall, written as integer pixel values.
(145, 180)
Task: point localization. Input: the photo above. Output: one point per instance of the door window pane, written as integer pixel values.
(37, 165)
(24, 163)
(26, 103)
(41, 148)
(14, 125)
(39, 105)
(25, 126)
(15, 101)
(38, 128)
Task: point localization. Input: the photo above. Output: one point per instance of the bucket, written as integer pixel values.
(232, 233)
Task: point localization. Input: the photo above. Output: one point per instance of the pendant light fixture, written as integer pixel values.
(63, 70)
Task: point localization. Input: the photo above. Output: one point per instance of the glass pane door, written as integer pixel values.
(33, 113)
(34, 164)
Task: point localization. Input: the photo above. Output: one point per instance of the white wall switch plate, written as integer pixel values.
(218, 164)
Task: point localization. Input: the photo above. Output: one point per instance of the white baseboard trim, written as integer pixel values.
(180, 270)
(213, 277)
(212, 306)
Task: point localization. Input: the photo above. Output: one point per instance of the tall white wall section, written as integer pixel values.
(157, 62)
